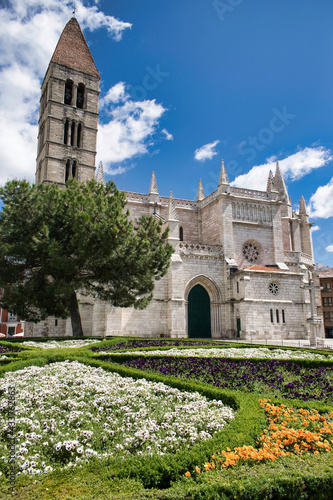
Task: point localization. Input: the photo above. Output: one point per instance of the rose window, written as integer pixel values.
(273, 288)
(251, 252)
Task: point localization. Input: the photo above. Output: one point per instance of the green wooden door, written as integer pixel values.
(199, 313)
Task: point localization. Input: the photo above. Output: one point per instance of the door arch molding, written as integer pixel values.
(215, 302)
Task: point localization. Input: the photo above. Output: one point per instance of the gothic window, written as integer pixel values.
(272, 316)
(72, 133)
(252, 252)
(283, 316)
(68, 92)
(74, 169)
(181, 234)
(68, 166)
(79, 133)
(277, 316)
(237, 286)
(274, 288)
(80, 96)
(66, 132)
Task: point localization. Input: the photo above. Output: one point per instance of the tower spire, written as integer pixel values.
(200, 193)
(223, 179)
(172, 211)
(280, 184)
(153, 185)
(270, 183)
(302, 206)
(100, 174)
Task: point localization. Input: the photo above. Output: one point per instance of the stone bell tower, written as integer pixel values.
(68, 112)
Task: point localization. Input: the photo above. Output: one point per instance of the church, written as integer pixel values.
(243, 264)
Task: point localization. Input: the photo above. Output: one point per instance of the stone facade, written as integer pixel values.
(243, 261)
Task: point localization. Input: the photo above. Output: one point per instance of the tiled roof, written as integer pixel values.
(72, 50)
(268, 269)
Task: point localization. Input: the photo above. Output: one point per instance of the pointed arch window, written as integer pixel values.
(68, 92)
(181, 234)
(80, 96)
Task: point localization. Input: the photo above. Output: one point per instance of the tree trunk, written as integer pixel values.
(75, 316)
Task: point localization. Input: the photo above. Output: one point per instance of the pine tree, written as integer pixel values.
(57, 242)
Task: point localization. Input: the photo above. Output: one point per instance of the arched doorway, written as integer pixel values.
(199, 323)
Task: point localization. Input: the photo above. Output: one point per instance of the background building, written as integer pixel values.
(326, 282)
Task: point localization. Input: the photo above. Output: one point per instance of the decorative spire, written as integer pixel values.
(100, 174)
(172, 212)
(200, 193)
(153, 185)
(270, 182)
(280, 184)
(223, 175)
(72, 50)
(302, 206)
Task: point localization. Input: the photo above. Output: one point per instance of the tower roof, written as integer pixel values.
(72, 50)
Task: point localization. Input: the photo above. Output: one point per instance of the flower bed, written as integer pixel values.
(5, 349)
(283, 378)
(68, 412)
(62, 344)
(232, 352)
(135, 344)
(290, 432)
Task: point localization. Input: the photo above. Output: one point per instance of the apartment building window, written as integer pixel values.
(328, 315)
(327, 301)
(327, 287)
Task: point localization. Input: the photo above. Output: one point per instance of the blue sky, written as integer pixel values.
(184, 84)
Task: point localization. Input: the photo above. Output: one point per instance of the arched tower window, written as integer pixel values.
(80, 96)
(73, 134)
(66, 132)
(79, 133)
(181, 234)
(68, 92)
(74, 169)
(67, 171)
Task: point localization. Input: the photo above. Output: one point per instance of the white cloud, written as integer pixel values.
(128, 133)
(168, 136)
(315, 228)
(115, 94)
(329, 248)
(321, 202)
(206, 152)
(293, 167)
(29, 31)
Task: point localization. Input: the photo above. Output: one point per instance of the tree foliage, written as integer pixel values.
(57, 242)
